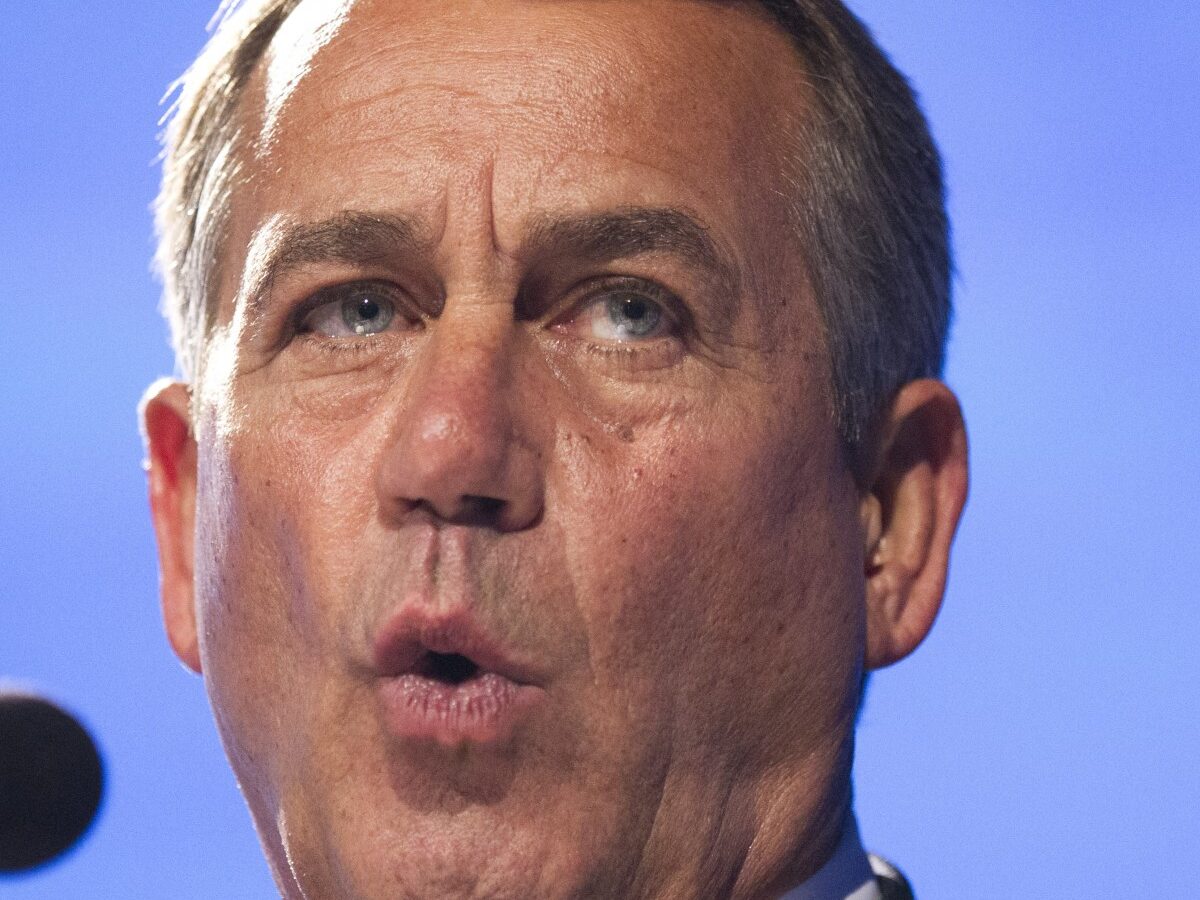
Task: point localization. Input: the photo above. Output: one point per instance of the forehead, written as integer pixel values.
(685, 54)
(660, 85)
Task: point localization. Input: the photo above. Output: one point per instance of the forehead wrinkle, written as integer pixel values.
(342, 63)
(293, 52)
(345, 61)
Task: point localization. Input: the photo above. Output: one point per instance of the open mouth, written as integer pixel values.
(440, 679)
(447, 668)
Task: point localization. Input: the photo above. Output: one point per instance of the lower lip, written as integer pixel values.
(485, 710)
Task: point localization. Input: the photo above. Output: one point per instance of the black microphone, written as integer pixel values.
(51, 781)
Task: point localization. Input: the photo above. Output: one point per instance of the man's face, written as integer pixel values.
(526, 561)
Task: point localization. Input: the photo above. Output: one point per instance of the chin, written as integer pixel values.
(433, 866)
(446, 846)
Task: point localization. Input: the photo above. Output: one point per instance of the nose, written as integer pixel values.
(456, 450)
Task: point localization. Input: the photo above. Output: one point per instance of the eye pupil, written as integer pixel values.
(635, 308)
(368, 308)
(365, 315)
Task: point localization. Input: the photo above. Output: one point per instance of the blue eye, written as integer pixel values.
(633, 316)
(365, 314)
(352, 311)
(622, 316)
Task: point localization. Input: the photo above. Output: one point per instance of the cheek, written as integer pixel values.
(270, 538)
(242, 662)
(717, 577)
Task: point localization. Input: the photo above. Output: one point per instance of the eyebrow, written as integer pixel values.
(371, 238)
(350, 237)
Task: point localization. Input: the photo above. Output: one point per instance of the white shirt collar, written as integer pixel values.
(846, 876)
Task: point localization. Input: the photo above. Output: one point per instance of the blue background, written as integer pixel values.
(1041, 744)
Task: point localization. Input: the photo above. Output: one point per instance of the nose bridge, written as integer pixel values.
(463, 376)
(455, 449)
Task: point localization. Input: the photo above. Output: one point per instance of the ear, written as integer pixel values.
(171, 470)
(909, 516)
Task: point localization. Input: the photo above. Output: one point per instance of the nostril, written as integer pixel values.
(449, 668)
(467, 509)
(482, 510)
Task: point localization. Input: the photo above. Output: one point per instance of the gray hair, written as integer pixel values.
(869, 201)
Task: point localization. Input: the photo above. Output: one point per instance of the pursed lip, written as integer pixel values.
(412, 634)
(442, 678)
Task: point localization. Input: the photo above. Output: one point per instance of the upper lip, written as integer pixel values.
(411, 634)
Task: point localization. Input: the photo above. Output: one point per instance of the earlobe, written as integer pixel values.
(171, 474)
(909, 517)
